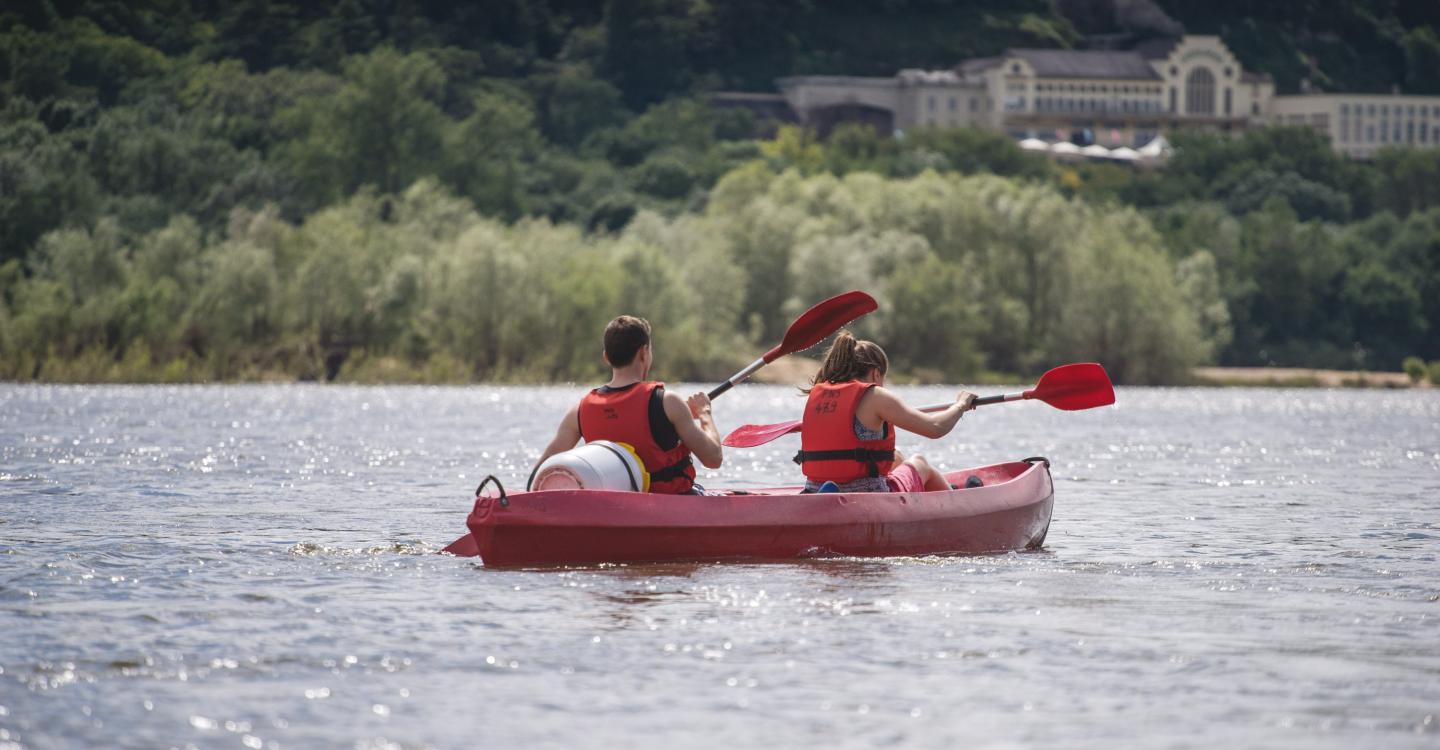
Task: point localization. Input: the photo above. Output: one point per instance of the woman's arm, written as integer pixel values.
(889, 408)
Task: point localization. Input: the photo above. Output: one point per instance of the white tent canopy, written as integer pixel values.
(1064, 147)
(1096, 150)
(1125, 154)
(1034, 144)
(1159, 148)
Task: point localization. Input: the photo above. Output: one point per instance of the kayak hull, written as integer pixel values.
(1011, 511)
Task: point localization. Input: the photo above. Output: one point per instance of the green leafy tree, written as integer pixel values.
(1414, 368)
(489, 151)
(1408, 180)
(44, 183)
(1311, 200)
(572, 103)
(382, 127)
(646, 50)
(1422, 60)
(75, 57)
(243, 107)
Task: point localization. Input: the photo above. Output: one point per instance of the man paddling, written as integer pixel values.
(664, 429)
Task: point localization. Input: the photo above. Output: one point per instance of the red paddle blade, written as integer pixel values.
(751, 435)
(1074, 387)
(465, 546)
(822, 320)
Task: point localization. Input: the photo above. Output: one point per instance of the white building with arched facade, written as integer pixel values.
(1111, 97)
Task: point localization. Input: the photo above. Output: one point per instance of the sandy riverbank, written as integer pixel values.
(1301, 377)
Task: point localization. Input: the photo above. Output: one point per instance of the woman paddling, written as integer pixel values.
(846, 435)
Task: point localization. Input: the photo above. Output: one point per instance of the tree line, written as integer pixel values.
(974, 274)
(142, 144)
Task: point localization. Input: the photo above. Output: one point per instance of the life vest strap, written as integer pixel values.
(673, 471)
(870, 457)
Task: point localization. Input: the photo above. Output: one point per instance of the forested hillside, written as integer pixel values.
(197, 190)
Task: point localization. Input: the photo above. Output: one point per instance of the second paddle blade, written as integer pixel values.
(751, 435)
(1075, 387)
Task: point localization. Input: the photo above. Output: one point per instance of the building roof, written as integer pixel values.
(1063, 63)
(978, 65)
(1158, 48)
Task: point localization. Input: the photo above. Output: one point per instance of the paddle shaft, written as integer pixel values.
(980, 401)
(738, 377)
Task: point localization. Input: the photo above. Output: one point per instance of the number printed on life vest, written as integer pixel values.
(827, 406)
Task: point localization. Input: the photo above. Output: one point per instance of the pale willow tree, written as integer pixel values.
(71, 303)
(699, 313)
(1198, 279)
(165, 270)
(975, 272)
(760, 233)
(236, 304)
(1121, 306)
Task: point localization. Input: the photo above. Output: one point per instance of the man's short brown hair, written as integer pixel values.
(623, 339)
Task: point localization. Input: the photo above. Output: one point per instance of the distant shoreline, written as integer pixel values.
(1301, 377)
(798, 370)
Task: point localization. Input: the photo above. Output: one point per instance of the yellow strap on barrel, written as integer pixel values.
(644, 475)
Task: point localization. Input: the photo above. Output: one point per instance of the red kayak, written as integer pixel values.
(1010, 511)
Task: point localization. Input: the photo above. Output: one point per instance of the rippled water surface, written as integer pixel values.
(254, 567)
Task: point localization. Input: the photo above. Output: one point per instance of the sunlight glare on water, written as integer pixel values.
(253, 566)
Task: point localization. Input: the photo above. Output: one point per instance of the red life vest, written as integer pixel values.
(829, 449)
(635, 414)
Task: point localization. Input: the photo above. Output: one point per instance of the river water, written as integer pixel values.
(255, 567)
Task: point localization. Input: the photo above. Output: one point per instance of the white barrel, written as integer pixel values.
(597, 465)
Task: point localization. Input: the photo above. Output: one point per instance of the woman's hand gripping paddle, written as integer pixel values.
(809, 329)
(1069, 387)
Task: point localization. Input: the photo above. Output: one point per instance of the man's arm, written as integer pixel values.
(565, 437)
(695, 427)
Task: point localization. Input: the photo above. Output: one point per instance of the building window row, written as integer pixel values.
(1385, 110)
(1123, 106)
(932, 121)
(952, 104)
(1411, 134)
(1096, 88)
(1410, 131)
